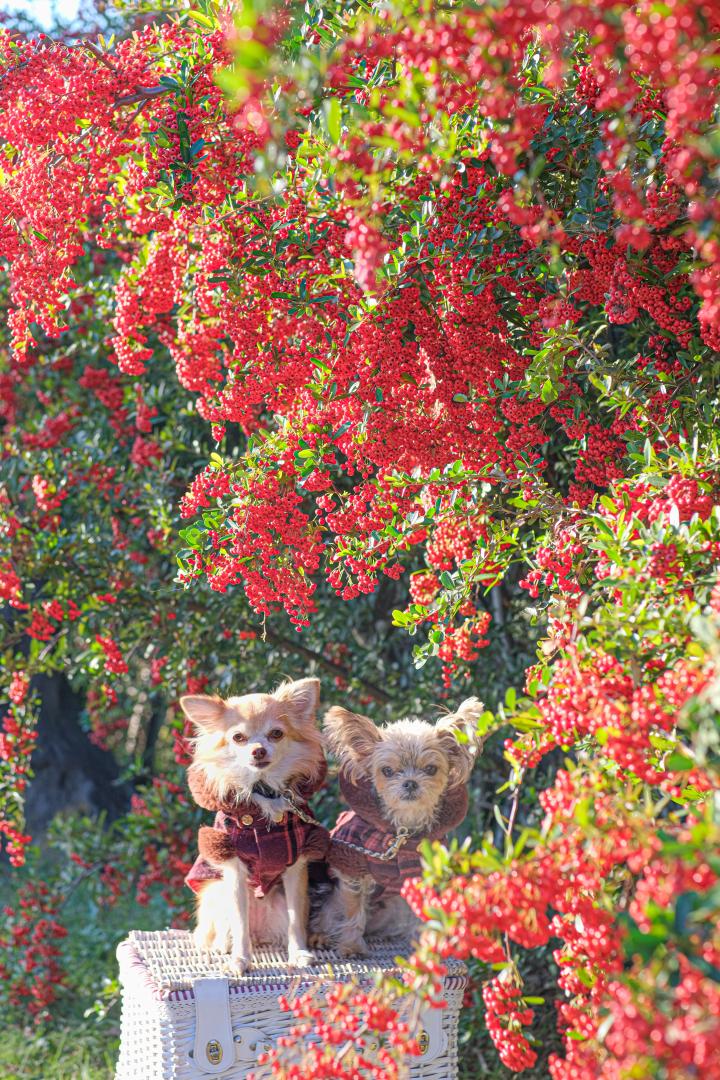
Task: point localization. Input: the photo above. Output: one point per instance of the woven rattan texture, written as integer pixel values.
(157, 972)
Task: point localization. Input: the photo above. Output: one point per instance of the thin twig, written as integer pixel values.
(370, 688)
(144, 93)
(79, 880)
(513, 813)
(99, 55)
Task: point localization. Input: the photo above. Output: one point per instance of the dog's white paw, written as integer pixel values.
(301, 958)
(205, 940)
(240, 961)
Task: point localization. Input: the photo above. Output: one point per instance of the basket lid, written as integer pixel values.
(166, 963)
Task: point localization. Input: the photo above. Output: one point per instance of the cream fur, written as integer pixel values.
(228, 766)
(410, 748)
(282, 727)
(411, 764)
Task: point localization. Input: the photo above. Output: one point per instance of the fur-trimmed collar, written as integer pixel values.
(301, 786)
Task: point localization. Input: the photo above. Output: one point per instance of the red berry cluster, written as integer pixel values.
(32, 973)
(506, 1015)
(114, 662)
(17, 742)
(348, 1033)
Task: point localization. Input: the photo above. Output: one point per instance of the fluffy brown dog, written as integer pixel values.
(252, 755)
(407, 778)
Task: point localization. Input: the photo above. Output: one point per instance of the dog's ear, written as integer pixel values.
(459, 739)
(206, 713)
(351, 737)
(302, 697)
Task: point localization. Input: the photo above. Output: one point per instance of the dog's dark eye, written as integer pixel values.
(276, 734)
(386, 770)
(431, 769)
(239, 737)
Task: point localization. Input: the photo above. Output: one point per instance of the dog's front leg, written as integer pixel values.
(353, 897)
(295, 884)
(392, 919)
(235, 877)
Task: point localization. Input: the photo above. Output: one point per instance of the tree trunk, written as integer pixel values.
(70, 773)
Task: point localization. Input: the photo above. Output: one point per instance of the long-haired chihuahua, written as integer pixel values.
(257, 759)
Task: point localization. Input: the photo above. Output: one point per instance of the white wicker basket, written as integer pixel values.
(187, 1015)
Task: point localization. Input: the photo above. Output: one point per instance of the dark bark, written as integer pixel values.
(70, 773)
(152, 730)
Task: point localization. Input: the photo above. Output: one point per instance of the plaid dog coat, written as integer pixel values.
(365, 825)
(242, 831)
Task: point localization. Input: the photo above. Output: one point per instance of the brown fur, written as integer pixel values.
(409, 774)
(215, 846)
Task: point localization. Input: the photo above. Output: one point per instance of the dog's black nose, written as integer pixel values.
(259, 752)
(410, 786)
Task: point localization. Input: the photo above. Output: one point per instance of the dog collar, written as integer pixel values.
(263, 789)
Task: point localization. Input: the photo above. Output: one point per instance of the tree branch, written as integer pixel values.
(287, 645)
(144, 93)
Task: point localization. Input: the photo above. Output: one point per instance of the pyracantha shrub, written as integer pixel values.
(408, 301)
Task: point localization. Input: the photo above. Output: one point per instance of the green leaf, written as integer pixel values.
(648, 452)
(548, 392)
(679, 763)
(192, 537)
(684, 905)
(333, 119)
(204, 20)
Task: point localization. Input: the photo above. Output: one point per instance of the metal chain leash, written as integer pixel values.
(401, 836)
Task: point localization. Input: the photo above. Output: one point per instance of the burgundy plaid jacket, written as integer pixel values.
(365, 825)
(241, 831)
